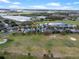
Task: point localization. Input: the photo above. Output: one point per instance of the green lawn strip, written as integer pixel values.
(19, 57)
(29, 41)
(65, 21)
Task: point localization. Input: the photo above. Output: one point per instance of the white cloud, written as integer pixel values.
(16, 3)
(38, 7)
(73, 3)
(54, 4)
(76, 3)
(64, 7)
(57, 6)
(5, 1)
(15, 7)
(61, 7)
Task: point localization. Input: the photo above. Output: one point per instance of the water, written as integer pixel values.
(18, 18)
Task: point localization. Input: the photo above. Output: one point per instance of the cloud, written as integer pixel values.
(54, 4)
(5, 1)
(15, 7)
(51, 7)
(63, 8)
(46, 6)
(16, 3)
(38, 7)
(73, 3)
(76, 3)
(59, 6)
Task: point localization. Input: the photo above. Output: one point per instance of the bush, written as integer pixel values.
(6, 53)
(23, 34)
(2, 57)
(14, 34)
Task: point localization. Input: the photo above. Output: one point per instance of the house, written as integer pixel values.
(74, 30)
(56, 27)
(61, 24)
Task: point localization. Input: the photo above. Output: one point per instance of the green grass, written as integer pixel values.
(36, 42)
(2, 46)
(65, 21)
(21, 57)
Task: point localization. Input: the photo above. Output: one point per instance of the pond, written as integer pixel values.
(18, 18)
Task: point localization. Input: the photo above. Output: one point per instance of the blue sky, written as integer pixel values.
(41, 4)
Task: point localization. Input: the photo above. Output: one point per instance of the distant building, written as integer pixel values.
(4, 10)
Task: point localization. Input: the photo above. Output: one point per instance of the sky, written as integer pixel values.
(40, 4)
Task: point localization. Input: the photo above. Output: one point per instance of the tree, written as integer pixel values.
(34, 18)
(7, 21)
(2, 57)
(13, 23)
(45, 56)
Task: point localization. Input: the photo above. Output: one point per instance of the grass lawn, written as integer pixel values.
(26, 13)
(65, 21)
(39, 44)
(19, 57)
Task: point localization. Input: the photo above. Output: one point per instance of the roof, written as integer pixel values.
(41, 16)
(60, 24)
(55, 24)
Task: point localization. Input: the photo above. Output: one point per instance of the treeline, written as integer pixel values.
(35, 14)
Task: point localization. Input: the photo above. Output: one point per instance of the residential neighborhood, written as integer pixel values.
(51, 26)
(39, 33)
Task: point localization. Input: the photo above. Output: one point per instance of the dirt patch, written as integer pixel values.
(52, 36)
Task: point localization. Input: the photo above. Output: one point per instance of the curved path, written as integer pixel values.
(4, 41)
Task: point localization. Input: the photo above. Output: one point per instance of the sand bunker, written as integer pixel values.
(73, 39)
(4, 41)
